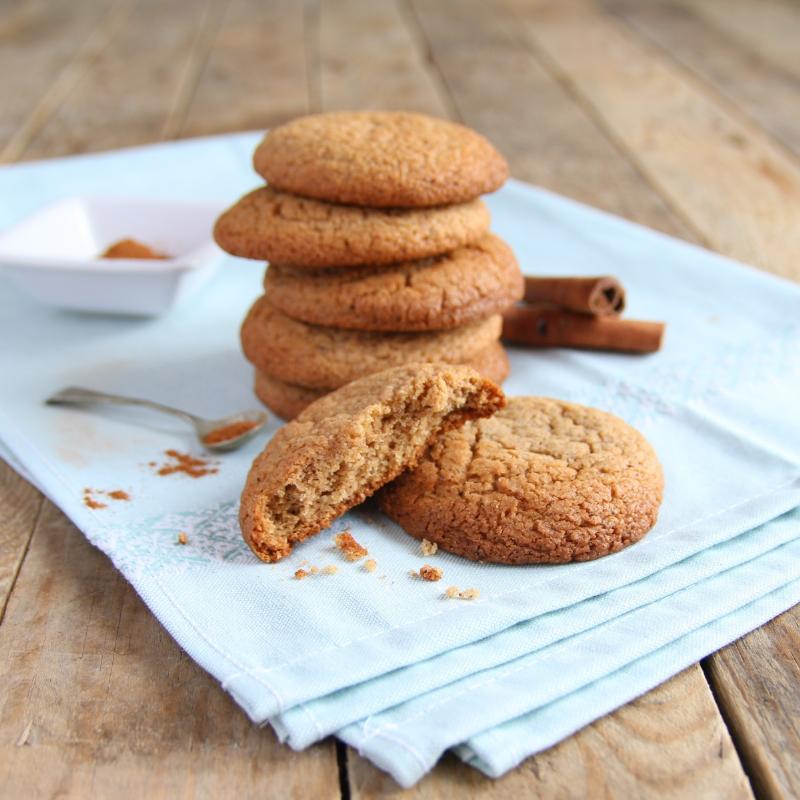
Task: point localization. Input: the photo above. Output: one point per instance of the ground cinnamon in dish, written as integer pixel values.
(193, 466)
(228, 432)
(130, 248)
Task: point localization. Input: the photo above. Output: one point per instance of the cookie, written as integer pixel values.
(543, 481)
(470, 283)
(345, 446)
(287, 400)
(382, 159)
(322, 358)
(286, 229)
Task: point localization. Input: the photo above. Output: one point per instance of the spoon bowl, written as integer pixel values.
(218, 435)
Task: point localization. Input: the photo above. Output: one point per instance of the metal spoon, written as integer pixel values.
(76, 396)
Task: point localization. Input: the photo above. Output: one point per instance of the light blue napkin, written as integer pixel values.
(308, 722)
(717, 403)
(408, 740)
(499, 749)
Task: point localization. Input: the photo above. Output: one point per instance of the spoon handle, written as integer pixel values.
(75, 395)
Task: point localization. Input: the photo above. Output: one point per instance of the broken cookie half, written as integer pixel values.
(349, 443)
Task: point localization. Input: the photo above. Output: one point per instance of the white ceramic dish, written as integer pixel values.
(53, 254)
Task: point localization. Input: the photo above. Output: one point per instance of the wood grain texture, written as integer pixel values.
(738, 188)
(97, 700)
(46, 48)
(129, 94)
(20, 505)
(756, 683)
(758, 88)
(256, 74)
(671, 743)
(368, 59)
(501, 89)
(769, 27)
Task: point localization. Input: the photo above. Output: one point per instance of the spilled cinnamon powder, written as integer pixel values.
(185, 464)
(90, 501)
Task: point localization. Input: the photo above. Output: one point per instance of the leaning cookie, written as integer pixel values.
(381, 159)
(467, 284)
(287, 400)
(286, 229)
(344, 447)
(543, 481)
(321, 358)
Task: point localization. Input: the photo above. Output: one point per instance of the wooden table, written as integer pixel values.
(681, 115)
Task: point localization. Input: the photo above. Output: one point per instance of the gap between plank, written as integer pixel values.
(68, 78)
(690, 75)
(341, 763)
(21, 559)
(551, 67)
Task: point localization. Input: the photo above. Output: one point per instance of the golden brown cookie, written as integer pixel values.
(472, 282)
(287, 400)
(286, 229)
(345, 446)
(317, 357)
(543, 481)
(382, 159)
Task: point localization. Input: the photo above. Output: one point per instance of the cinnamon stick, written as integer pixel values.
(540, 325)
(601, 296)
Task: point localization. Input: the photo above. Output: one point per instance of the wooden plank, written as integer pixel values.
(256, 75)
(739, 188)
(46, 46)
(500, 88)
(769, 27)
(378, 68)
(96, 700)
(671, 743)
(128, 95)
(755, 681)
(768, 94)
(20, 505)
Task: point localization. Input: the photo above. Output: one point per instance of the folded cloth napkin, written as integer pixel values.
(501, 748)
(408, 740)
(716, 403)
(306, 723)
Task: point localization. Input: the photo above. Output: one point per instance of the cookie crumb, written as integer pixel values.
(429, 573)
(183, 538)
(451, 591)
(469, 594)
(300, 574)
(349, 547)
(331, 569)
(314, 570)
(370, 565)
(428, 548)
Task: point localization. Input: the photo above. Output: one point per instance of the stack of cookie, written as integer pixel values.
(379, 252)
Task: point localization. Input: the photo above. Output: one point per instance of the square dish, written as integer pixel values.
(54, 254)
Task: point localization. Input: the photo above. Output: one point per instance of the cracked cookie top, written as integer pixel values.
(282, 228)
(470, 283)
(542, 481)
(382, 159)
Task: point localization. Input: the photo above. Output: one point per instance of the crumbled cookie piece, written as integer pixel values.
(300, 574)
(429, 573)
(454, 592)
(331, 569)
(370, 564)
(349, 547)
(428, 548)
(183, 538)
(314, 570)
